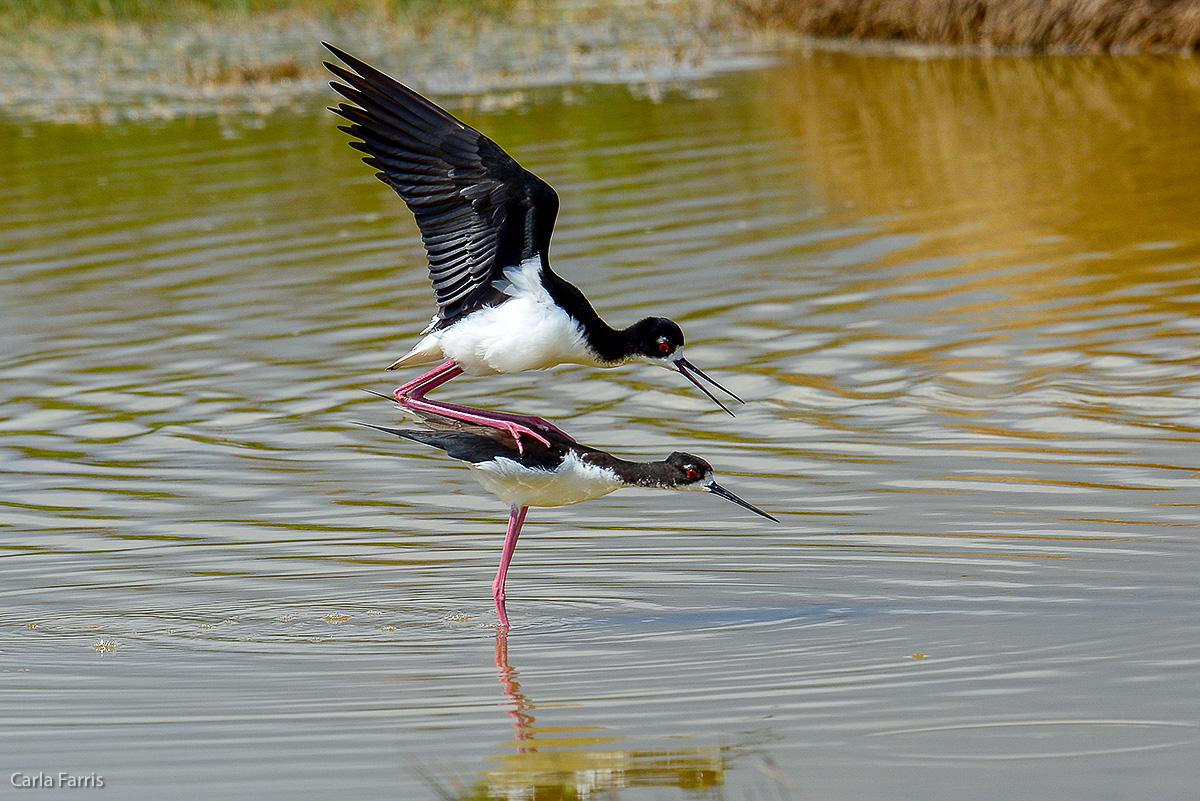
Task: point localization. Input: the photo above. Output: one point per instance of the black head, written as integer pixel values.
(655, 338)
(684, 471)
(660, 341)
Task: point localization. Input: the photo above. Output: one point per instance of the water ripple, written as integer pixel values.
(973, 407)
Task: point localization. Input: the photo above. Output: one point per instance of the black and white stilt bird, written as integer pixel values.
(486, 223)
(552, 470)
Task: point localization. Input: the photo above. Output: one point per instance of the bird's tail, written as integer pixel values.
(426, 351)
(424, 437)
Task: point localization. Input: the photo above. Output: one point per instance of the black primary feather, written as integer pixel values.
(478, 210)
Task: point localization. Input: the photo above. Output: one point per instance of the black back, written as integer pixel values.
(475, 444)
(477, 209)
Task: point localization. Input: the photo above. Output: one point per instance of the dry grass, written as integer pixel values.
(224, 75)
(1030, 25)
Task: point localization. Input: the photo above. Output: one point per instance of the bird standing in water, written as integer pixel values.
(553, 470)
(486, 224)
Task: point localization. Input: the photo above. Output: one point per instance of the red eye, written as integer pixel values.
(692, 473)
(664, 347)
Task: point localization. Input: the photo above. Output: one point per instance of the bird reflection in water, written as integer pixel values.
(576, 761)
(519, 708)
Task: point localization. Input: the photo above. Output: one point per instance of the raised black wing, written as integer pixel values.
(478, 210)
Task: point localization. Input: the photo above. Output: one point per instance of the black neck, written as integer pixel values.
(639, 474)
(610, 344)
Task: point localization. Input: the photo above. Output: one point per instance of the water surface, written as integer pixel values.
(961, 299)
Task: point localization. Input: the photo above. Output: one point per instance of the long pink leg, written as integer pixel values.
(412, 395)
(516, 516)
(418, 387)
(434, 378)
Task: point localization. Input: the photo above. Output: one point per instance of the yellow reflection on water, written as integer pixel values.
(1054, 187)
(1023, 248)
(1001, 151)
(562, 763)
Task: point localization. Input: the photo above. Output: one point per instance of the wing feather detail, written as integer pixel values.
(477, 209)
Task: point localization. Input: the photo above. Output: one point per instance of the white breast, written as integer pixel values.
(575, 481)
(526, 332)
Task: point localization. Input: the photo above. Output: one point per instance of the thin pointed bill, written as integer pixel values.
(717, 489)
(693, 374)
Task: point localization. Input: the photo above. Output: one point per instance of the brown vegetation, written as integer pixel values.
(223, 75)
(1038, 25)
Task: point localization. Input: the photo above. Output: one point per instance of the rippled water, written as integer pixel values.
(960, 297)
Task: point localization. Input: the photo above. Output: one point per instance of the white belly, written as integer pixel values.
(526, 332)
(517, 485)
(519, 334)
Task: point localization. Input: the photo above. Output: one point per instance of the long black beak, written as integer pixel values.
(717, 489)
(693, 374)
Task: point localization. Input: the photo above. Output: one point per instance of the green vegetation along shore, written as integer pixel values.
(100, 61)
(96, 61)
